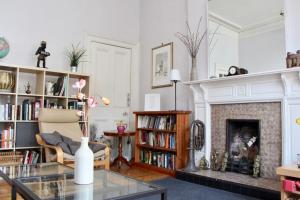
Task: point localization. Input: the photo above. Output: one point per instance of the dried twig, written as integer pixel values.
(192, 41)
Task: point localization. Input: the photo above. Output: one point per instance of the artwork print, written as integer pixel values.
(162, 63)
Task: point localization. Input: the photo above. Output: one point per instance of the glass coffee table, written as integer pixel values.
(107, 185)
(11, 172)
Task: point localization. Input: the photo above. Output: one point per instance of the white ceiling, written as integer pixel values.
(246, 12)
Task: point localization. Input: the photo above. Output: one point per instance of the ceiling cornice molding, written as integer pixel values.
(222, 21)
(261, 28)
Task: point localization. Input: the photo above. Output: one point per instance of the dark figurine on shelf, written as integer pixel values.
(42, 54)
(27, 88)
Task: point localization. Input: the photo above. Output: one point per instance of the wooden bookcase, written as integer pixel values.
(161, 126)
(24, 130)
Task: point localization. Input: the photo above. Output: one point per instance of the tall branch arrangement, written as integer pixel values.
(192, 41)
(91, 102)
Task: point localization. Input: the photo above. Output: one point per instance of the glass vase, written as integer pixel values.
(193, 73)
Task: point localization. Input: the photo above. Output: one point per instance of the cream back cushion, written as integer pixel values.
(63, 121)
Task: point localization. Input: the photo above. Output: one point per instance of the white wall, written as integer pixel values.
(263, 52)
(160, 20)
(292, 25)
(61, 23)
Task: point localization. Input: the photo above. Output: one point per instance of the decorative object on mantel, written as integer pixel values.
(27, 88)
(298, 160)
(256, 166)
(196, 142)
(192, 42)
(7, 81)
(75, 55)
(293, 60)
(42, 54)
(4, 47)
(162, 63)
(203, 163)
(224, 162)
(175, 77)
(84, 157)
(233, 70)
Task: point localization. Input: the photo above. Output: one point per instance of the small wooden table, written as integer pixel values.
(120, 136)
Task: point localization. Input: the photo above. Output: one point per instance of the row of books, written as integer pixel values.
(7, 138)
(164, 160)
(7, 111)
(30, 157)
(165, 140)
(28, 110)
(157, 122)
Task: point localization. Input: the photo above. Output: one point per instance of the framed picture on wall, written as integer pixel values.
(162, 64)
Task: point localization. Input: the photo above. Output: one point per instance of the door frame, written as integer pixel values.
(134, 68)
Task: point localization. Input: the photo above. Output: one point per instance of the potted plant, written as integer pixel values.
(75, 54)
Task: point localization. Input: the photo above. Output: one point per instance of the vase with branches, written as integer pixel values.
(75, 55)
(192, 41)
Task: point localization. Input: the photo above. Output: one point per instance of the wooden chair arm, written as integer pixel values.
(57, 149)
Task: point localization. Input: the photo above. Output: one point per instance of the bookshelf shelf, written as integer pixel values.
(30, 95)
(161, 140)
(156, 130)
(55, 97)
(144, 146)
(8, 93)
(23, 128)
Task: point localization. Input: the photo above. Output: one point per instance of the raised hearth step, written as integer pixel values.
(255, 189)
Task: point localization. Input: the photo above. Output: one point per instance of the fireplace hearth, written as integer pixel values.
(242, 144)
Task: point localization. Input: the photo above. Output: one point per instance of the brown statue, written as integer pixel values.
(42, 54)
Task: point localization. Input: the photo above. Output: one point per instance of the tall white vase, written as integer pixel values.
(84, 163)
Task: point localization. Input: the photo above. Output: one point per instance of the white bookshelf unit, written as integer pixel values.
(24, 130)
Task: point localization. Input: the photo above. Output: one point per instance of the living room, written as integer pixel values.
(190, 99)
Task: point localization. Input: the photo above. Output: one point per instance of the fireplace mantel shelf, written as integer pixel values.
(274, 86)
(244, 76)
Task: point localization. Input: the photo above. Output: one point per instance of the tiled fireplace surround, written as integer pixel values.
(269, 115)
(273, 97)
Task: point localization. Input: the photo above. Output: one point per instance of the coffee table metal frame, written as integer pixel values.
(29, 195)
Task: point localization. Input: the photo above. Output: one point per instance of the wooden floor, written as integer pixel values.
(134, 172)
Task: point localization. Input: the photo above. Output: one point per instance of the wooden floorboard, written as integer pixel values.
(133, 172)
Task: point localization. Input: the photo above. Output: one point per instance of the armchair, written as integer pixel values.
(66, 123)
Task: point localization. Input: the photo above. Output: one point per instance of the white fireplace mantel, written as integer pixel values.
(274, 86)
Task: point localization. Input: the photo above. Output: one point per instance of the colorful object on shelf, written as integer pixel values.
(7, 81)
(4, 47)
(121, 127)
(289, 186)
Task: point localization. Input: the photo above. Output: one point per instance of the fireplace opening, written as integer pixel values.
(242, 144)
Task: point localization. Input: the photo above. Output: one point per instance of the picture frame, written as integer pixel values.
(162, 64)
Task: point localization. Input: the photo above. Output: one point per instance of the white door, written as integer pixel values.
(109, 68)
